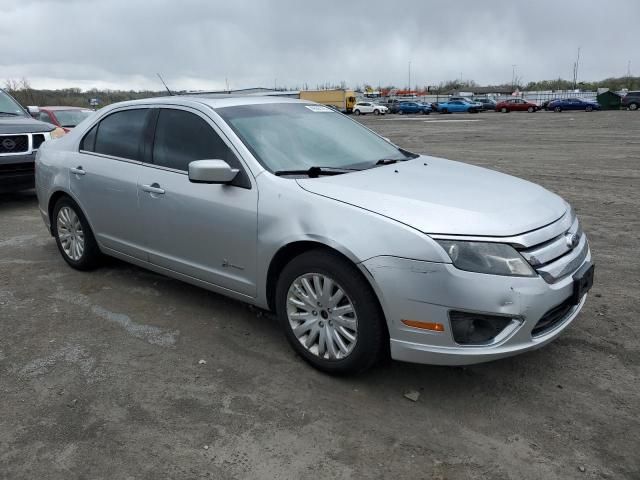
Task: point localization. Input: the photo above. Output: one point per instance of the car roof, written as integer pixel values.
(58, 107)
(213, 101)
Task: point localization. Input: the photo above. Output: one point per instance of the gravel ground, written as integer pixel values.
(122, 373)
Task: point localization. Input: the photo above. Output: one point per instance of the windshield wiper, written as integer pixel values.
(10, 113)
(315, 172)
(389, 161)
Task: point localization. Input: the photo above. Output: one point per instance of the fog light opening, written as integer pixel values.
(476, 329)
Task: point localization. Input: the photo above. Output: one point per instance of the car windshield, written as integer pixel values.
(296, 136)
(8, 106)
(71, 118)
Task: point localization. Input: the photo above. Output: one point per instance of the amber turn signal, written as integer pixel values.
(435, 327)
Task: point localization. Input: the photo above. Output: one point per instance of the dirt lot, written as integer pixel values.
(100, 375)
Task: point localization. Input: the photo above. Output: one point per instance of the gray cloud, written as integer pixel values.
(200, 43)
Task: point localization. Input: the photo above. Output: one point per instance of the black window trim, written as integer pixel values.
(148, 159)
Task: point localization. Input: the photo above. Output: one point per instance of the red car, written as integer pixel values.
(63, 117)
(516, 105)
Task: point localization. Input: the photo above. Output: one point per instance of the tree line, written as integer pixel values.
(22, 91)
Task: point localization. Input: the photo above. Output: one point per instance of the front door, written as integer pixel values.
(104, 175)
(205, 231)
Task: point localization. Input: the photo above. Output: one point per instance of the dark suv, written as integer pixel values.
(20, 137)
(631, 100)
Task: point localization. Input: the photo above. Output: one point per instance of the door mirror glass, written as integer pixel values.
(211, 171)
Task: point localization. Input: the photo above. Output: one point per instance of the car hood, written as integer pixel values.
(11, 125)
(439, 196)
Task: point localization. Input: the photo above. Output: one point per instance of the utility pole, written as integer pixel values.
(576, 66)
(513, 76)
(409, 74)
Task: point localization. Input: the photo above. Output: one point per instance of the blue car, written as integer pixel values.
(573, 104)
(414, 107)
(457, 106)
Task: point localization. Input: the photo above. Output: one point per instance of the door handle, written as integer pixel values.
(78, 171)
(153, 188)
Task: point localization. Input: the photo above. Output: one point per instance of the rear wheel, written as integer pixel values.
(633, 106)
(531, 109)
(444, 110)
(557, 109)
(329, 313)
(588, 108)
(400, 112)
(426, 112)
(356, 112)
(376, 112)
(504, 110)
(73, 235)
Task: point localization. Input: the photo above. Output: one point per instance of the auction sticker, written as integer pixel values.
(318, 108)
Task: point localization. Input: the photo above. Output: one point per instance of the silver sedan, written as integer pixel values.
(359, 246)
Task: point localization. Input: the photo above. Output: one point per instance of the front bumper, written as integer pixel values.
(427, 292)
(16, 172)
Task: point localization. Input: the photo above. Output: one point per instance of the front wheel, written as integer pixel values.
(557, 109)
(73, 235)
(376, 112)
(589, 108)
(426, 112)
(329, 313)
(531, 109)
(504, 110)
(633, 106)
(444, 110)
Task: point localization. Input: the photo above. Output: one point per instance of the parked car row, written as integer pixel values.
(479, 104)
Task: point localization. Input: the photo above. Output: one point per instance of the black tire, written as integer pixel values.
(504, 110)
(400, 112)
(444, 110)
(91, 255)
(356, 112)
(531, 109)
(633, 106)
(473, 110)
(376, 112)
(371, 327)
(426, 112)
(557, 109)
(588, 108)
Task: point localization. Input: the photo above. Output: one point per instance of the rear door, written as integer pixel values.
(104, 179)
(205, 231)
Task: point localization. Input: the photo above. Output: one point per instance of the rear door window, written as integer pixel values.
(121, 134)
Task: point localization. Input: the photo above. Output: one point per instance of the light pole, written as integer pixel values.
(409, 75)
(513, 76)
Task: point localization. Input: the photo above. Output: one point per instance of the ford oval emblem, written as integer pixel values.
(573, 239)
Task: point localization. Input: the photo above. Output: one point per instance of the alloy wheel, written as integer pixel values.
(322, 316)
(70, 233)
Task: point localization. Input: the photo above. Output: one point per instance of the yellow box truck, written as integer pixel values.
(343, 100)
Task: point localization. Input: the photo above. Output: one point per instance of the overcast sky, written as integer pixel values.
(197, 44)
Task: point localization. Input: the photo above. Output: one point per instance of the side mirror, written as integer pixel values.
(211, 171)
(33, 110)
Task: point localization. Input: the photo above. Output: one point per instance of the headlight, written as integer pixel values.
(56, 133)
(483, 257)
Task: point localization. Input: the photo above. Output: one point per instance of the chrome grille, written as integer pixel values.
(560, 255)
(10, 144)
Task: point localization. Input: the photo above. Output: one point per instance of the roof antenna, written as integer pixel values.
(165, 85)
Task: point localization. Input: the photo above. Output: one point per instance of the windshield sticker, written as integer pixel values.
(318, 108)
